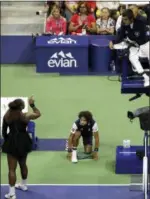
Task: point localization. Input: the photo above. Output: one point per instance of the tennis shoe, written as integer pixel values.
(146, 82)
(9, 196)
(21, 187)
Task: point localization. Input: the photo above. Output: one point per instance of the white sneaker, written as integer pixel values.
(8, 196)
(74, 160)
(21, 187)
(146, 81)
(74, 156)
(146, 70)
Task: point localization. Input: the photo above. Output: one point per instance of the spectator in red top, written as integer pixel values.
(56, 24)
(51, 4)
(82, 22)
(91, 6)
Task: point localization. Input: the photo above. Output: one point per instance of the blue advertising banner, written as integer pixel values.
(17, 49)
(67, 41)
(64, 55)
(52, 54)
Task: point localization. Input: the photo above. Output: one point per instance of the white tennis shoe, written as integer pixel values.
(21, 187)
(146, 81)
(74, 156)
(9, 196)
(74, 160)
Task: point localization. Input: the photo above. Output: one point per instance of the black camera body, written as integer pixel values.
(144, 117)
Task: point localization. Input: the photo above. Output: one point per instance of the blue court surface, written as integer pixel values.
(76, 192)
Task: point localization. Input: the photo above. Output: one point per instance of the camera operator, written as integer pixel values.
(132, 36)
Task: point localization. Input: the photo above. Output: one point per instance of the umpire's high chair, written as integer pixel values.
(134, 84)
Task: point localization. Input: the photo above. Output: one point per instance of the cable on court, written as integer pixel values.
(116, 78)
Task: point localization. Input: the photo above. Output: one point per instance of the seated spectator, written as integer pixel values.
(105, 24)
(51, 4)
(70, 8)
(83, 22)
(107, 4)
(91, 6)
(137, 13)
(56, 24)
(146, 8)
(114, 14)
(121, 9)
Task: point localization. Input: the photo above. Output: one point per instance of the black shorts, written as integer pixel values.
(87, 140)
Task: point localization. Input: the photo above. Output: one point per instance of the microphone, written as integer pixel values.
(135, 97)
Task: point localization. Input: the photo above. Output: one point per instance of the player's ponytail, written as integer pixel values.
(12, 105)
(17, 104)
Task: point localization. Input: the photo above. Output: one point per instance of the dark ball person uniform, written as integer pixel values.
(17, 141)
(134, 38)
(86, 131)
(135, 32)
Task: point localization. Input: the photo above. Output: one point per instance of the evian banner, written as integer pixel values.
(61, 40)
(63, 60)
(64, 55)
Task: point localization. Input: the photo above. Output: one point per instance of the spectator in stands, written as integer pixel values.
(70, 8)
(107, 4)
(83, 22)
(56, 24)
(105, 24)
(115, 14)
(121, 9)
(91, 6)
(146, 8)
(138, 14)
(51, 4)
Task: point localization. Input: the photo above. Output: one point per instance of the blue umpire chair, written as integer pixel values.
(32, 132)
(135, 84)
(128, 160)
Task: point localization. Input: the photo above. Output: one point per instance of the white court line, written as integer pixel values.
(91, 185)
